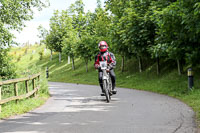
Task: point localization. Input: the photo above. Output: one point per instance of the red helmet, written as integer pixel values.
(103, 46)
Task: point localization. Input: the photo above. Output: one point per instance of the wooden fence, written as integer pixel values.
(14, 82)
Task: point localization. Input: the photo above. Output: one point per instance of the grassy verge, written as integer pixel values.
(25, 105)
(25, 60)
(22, 107)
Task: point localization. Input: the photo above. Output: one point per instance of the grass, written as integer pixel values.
(11, 108)
(25, 59)
(23, 106)
(167, 83)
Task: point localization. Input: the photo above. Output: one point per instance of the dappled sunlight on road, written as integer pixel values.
(95, 103)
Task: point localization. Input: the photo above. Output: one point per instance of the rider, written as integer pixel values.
(105, 55)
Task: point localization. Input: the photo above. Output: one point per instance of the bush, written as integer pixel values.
(19, 58)
(7, 69)
(41, 55)
(26, 51)
(31, 57)
(43, 85)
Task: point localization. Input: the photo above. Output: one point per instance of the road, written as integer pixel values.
(75, 108)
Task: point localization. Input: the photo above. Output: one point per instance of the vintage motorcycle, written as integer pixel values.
(107, 83)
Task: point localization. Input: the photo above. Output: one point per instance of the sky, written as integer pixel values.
(30, 32)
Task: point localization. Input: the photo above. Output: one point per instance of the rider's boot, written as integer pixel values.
(102, 93)
(114, 91)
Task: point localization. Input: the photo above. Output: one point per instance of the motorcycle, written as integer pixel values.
(107, 83)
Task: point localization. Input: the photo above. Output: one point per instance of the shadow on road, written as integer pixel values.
(40, 122)
(54, 119)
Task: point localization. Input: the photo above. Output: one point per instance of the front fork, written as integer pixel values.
(106, 76)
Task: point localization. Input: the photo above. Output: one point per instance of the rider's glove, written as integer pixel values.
(107, 70)
(96, 66)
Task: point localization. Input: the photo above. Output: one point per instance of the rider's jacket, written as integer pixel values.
(106, 56)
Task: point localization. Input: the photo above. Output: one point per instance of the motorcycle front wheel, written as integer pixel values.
(105, 87)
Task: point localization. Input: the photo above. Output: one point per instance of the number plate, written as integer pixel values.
(103, 64)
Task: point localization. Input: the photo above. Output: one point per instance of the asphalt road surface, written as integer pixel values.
(77, 108)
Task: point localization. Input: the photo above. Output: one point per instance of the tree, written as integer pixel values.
(117, 7)
(134, 31)
(156, 49)
(42, 33)
(57, 32)
(86, 39)
(77, 14)
(13, 14)
(70, 38)
(191, 22)
(95, 29)
(49, 43)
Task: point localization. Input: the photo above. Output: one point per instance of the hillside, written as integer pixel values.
(168, 82)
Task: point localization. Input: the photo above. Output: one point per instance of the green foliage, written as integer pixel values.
(177, 30)
(26, 51)
(158, 50)
(25, 67)
(42, 34)
(41, 55)
(13, 14)
(55, 37)
(19, 58)
(7, 69)
(31, 57)
(163, 29)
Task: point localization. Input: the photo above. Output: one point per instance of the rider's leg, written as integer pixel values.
(113, 78)
(100, 80)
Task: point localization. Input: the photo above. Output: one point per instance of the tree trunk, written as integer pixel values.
(51, 55)
(73, 65)
(68, 59)
(180, 68)
(123, 60)
(86, 64)
(158, 65)
(59, 56)
(140, 64)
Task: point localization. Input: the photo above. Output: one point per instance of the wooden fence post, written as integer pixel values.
(33, 83)
(0, 98)
(35, 79)
(16, 90)
(38, 82)
(26, 84)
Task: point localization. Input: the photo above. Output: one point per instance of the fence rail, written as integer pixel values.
(29, 93)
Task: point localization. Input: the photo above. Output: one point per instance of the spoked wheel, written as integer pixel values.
(105, 87)
(110, 87)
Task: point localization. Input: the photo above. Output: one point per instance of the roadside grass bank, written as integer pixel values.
(25, 64)
(167, 83)
(11, 108)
